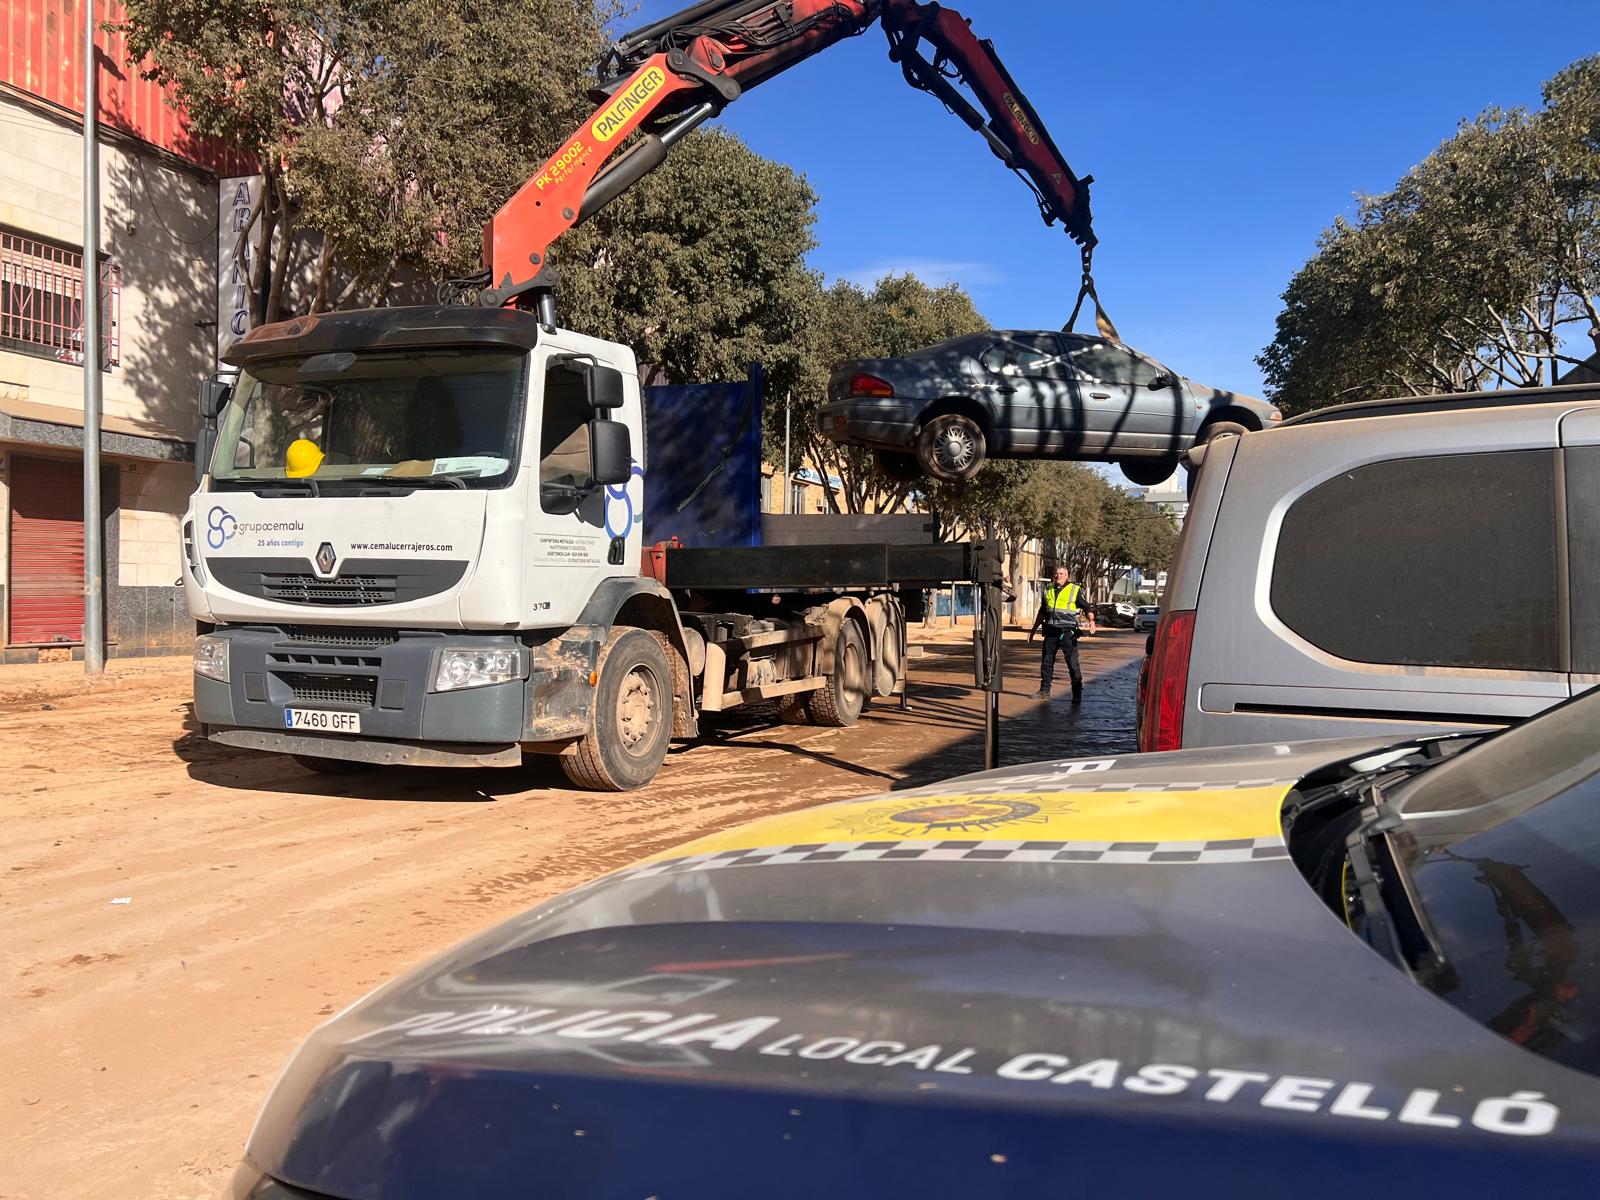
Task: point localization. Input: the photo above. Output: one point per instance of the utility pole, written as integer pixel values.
(788, 483)
(94, 579)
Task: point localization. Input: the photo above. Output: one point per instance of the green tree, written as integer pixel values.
(701, 267)
(391, 130)
(1476, 270)
(899, 314)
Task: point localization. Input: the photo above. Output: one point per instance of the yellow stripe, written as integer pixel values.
(1196, 816)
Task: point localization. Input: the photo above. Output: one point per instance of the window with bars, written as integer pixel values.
(41, 301)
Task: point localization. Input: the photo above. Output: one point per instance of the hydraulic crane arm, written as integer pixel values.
(668, 77)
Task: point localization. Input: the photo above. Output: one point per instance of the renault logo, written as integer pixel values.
(326, 559)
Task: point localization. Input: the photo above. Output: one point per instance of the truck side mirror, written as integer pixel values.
(604, 387)
(214, 395)
(610, 450)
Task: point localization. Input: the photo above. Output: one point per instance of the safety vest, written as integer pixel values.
(1062, 599)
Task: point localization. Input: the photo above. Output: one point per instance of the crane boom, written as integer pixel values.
(672, 75)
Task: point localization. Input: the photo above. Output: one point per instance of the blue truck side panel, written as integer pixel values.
(703, 463)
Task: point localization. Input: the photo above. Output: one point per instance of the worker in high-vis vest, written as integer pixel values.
(1059, 614)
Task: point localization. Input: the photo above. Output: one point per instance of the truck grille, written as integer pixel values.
(347, 589)
(352, 691)
(354, 639)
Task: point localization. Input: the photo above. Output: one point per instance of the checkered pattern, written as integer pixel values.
(1231, 850)
(1034, 784)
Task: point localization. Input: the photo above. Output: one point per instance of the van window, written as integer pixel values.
(1446, 562)
(1583, 555)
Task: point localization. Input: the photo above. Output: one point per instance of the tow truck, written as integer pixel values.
(415, 535)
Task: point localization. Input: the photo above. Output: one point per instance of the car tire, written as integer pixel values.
(897, 465)
(1147, 472)
(1212, 432)
(839, 702)
(631, 722)
(951, 447)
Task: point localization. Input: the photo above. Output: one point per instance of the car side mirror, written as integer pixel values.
(610, 451)
(1164, 380)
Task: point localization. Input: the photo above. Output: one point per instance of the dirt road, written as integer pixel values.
(178, 915)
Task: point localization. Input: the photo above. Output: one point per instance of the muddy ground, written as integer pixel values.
(175, 915)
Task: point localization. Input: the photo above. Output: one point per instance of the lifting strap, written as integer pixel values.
(1102, 322)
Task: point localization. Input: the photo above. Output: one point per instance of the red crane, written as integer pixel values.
(672, 75)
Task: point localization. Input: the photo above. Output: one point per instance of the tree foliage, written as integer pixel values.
(1480, 268)
(899, 314)
(392, 130)
(701, 267)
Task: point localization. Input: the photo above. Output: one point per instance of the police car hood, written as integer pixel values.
(1066, 970)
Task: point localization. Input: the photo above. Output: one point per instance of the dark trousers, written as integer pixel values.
(1065, 640)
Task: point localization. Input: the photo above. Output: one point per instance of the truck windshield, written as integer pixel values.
(1502, 843)
(377, 419)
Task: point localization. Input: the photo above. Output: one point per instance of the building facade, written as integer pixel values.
(158, 289)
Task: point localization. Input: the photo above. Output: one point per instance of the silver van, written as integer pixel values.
(1386, 567)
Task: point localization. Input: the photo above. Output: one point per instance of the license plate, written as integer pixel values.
(322, 720)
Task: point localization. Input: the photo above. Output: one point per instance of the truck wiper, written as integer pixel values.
(424, 481)
(280, 487)
(1396, 924)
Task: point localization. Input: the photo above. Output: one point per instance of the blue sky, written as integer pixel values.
(1222, 139)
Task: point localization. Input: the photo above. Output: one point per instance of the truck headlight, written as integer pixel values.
(211, 657)
(464, 668)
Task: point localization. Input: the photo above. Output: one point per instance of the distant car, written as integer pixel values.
(1146, 619)
(1028, 394)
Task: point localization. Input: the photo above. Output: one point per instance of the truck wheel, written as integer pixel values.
(793, 710)
(840, 702)
(329, 766)
(632, 719)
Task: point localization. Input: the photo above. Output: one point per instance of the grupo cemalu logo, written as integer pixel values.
(623, 502)
(220, 526)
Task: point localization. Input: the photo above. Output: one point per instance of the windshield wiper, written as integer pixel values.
(454, 481)
(276, 487)
(1396, 923)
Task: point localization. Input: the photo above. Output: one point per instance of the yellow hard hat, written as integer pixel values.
(302, 458)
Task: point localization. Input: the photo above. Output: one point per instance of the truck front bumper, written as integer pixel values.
(385, 677)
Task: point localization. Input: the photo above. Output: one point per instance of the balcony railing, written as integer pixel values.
(41, 301)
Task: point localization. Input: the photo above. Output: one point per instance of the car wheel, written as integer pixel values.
(1221, 429)
(951, 448)
(897, 465)
(1147, 472)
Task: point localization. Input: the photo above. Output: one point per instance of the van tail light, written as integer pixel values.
(862, 384)
(1168, 687)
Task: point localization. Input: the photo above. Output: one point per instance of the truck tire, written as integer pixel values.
(330, 766)
(793, 709)
(839, 703)
(632, 718)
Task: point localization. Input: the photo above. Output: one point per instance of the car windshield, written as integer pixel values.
(1502, 844)
(376, 419)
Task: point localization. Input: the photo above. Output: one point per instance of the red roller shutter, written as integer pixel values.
(46, 551)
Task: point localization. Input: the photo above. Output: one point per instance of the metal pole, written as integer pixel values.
(788, 482)
(94, 633)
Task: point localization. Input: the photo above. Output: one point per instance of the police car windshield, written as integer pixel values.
(374, 419)
(1502, 844)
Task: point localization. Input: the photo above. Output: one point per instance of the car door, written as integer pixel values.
(1034, 396)
(1580, 440)
(1119, 401)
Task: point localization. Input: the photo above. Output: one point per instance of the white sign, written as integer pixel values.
(238, 243)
